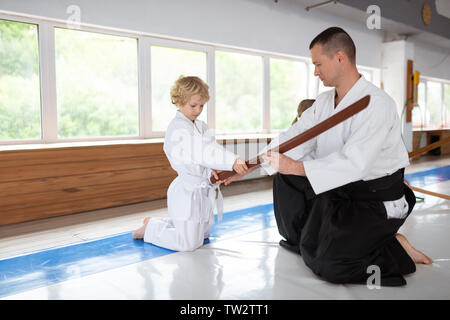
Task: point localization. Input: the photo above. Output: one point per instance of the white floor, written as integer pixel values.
(250, 266)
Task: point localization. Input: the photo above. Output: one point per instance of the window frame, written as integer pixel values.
(443, 112)
(42, 73)
(308, 64)
(47, 67)
(264, 84)
(53, 116)
(184, 45)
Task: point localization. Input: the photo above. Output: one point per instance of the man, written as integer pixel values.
(339, 199)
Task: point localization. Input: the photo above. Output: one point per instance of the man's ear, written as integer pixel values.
(341, 56)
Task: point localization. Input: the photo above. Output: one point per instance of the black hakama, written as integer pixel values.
(341, 232)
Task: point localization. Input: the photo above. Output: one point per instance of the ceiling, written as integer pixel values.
(393, 30)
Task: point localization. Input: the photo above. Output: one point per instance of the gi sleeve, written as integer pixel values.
(369, 130)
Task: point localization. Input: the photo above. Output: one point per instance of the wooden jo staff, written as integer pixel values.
(305, 136)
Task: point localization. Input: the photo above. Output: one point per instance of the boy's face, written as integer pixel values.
(193, 107)
(326, 68)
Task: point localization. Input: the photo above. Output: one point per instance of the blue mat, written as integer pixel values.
(54, 265)
(428, 177)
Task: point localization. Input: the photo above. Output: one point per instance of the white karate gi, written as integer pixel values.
(365, 147)
(192, 152)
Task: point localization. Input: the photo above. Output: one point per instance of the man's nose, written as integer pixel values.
(316, 72)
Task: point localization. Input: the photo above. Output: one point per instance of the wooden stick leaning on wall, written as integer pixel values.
(307, 135)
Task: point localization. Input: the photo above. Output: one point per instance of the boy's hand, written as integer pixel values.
(233, 178)
(216, 175)
(240, 167)
(238, 176)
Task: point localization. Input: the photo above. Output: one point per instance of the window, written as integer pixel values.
(433, 111)
(96, 84)
(288, 86)
(322, 88)
(366, 74)
(20, 106)
(317, 87)
(447, 105)
(418, 110)
(239, 104)
(167, 65)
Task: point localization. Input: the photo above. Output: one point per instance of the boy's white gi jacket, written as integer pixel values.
(192, 152)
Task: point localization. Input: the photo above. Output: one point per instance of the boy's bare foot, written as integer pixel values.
(139, 233)
(416, 255)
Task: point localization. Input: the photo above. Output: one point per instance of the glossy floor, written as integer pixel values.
(242, 260)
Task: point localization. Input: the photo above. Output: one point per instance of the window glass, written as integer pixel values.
(96, 84)
(447, 105)
(287, 89)
(167, 65)
(20, 105)
(418, 110)
(368, 75)
(434, 104)
(239, 104)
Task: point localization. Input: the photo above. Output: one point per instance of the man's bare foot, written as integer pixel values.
(416, 255)
(139, 233)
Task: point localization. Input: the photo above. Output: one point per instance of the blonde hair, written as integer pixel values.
(302, 106)
(186, 87)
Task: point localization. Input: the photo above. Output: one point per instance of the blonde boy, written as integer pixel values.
(194, 154)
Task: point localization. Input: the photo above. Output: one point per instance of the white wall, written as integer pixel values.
(395, 55)
(432, 61)
(283, 27)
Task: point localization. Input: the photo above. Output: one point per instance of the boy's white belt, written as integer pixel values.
(199, 183)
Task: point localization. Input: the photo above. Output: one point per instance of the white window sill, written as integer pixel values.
(237, 138)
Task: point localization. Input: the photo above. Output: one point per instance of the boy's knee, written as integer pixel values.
(189, 246)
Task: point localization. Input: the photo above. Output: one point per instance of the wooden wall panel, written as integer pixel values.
(41, 183)
(54, 181)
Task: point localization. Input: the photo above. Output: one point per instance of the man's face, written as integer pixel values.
(326, 68)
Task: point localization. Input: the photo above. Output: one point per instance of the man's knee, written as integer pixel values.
(341, 273)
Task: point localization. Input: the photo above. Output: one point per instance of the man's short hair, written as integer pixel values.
(333, 40)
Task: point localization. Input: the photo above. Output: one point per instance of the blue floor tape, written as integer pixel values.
(428, 177)
(54, 265)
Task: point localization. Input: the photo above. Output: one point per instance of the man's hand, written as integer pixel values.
(240, 167)
(283, 164)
